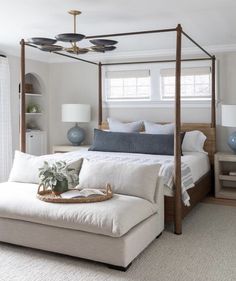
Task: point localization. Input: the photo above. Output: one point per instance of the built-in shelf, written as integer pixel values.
(227, 178)
(33, 95)
(35, 113)
(35, 123)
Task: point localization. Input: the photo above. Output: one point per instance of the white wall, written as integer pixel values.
(76, 82)
(227, 93)
(39, 68)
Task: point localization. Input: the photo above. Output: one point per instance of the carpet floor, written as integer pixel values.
(205, 252)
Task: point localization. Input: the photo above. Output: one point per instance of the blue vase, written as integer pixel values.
(76, 135)
(232, 142)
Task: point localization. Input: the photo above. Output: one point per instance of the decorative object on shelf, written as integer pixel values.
(33, 108)
(28, 88)
(57, 176)
(32, 125)
(48, 196)
(228, 113)
(47, 44)
(79, 113)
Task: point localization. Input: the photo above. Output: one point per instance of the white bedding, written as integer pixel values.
(198, 163)
(194, 166)
(114, 217)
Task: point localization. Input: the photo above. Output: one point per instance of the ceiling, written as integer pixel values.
(212, 23)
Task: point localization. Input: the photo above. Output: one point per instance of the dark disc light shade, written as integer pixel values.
(69, 37)
(42, 41)
(103, 49)
(50, 48)
(103, 42)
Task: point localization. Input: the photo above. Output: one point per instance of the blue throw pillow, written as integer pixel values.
(133, 143)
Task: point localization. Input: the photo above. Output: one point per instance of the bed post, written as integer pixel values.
(99, 94)
(22, 99)
(213, 92)
(177, 148)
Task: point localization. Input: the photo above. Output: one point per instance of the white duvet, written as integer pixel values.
(114, 217)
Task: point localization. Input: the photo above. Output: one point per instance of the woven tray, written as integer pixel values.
(49, 196)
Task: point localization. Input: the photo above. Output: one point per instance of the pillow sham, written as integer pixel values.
(194, 141)
(153, 128)
(133, 179)
(133, 143)
(117, 126)
(25, 167)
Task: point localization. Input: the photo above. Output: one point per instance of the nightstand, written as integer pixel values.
(225, 175)
(68, 148)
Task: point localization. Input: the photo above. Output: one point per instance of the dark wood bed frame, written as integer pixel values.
(175, 210)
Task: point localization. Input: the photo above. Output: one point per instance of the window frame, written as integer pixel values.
(126, 99)
(194, 84)
(155, 100)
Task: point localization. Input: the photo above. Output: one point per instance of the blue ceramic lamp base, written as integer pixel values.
(76, 135)
(232, 142)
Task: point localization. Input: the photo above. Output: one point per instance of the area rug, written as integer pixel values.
(205, 251)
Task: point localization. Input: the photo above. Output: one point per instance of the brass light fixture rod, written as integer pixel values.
(74, 13)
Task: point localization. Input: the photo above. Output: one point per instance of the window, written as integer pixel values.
(128, 85)
(195, 83)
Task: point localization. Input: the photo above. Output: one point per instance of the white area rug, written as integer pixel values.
(205, 251)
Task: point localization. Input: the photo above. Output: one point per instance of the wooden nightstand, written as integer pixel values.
(68, 148)
(225, 184)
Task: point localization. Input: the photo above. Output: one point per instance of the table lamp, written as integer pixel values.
(78, 113)
(228, 115)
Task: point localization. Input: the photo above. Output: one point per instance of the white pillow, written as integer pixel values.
(125, 178)
(193, 142)
(117, 126)
(26, 167)
(153, 128)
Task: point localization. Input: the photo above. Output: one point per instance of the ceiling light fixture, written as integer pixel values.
(48, 44)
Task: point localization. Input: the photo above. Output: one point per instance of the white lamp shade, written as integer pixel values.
(76, 113)
(228, 115)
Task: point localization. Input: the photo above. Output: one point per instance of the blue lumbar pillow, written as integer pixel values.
(133, 142)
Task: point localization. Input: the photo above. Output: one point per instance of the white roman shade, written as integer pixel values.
(128, 74)
(190, 71)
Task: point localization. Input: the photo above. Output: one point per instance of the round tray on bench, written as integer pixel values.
(49, 196)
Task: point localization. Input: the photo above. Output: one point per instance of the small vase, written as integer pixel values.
(60, 187)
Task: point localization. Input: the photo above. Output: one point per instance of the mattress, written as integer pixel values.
(194, 166)
(114, 217)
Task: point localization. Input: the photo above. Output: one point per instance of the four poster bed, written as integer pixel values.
(128, 246)
(174, 209)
